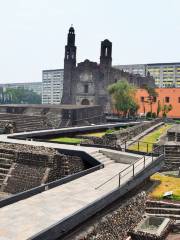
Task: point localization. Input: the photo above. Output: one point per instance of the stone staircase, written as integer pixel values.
(172, 157)
(6, 160)
(102, 158)
(24, 123)
(65, 123)
(163, 209)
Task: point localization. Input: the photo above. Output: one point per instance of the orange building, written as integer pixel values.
(165, 96)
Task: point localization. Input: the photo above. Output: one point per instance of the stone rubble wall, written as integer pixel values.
(24, 177)
(54, 118)
(113, 139)
(65, 166)
(8, 126)
(119, 222)
(129, 133)
(15, 147)
(31, 164)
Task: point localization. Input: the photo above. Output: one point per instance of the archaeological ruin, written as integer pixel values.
(26, 117)
(96, 187)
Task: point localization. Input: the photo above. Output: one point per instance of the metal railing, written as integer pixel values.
(144, 161)
(148, 145)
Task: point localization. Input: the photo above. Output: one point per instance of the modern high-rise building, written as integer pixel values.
(34, 86)
(165, 74)
(52, 87)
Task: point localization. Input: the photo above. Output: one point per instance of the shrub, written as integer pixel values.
(151, 115)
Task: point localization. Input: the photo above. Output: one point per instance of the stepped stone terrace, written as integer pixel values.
(31, 117)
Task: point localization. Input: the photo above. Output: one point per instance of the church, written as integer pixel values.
(86, 83)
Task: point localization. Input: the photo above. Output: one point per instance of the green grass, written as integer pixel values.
(95, 134)
(67, 140)
(167, 183)
(177, 121)
(150, 138)
(100, 134)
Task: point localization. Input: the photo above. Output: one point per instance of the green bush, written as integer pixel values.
(151, 115)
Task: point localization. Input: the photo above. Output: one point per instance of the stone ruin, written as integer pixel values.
(23, 166)
(173, 134)
(170, 144)
(116, 223)
(7, 126)
(152, 228)
(117, 138)
(31, 117)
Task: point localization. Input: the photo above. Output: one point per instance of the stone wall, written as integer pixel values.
(24, 177)
(116, 138)
(36, 165)
(118, 223)
(8, 126)
(129, 133)
(65, 165)
(53, 116)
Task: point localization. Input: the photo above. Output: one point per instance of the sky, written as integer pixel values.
(33, 33)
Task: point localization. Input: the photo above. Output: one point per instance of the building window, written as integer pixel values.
(178, 99)
(86, 88)
(167, 99)
(142, 99)
(154, 99)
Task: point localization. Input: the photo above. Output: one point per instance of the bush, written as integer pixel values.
(148, 115)
(151, 115)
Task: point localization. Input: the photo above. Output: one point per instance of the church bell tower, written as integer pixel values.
(106, 53)
(69, 66)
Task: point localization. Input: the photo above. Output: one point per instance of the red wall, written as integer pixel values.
(172, 93)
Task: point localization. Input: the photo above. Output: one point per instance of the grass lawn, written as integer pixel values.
(67, 140)
(152, 137)
(95, 134)
(167, 184)
(100, 134)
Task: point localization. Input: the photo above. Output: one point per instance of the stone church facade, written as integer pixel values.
(86, 83)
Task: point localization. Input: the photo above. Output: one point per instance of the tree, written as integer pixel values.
(159, 108)
(123, 97)
(152, 95)
(21, 95)
(166, 109)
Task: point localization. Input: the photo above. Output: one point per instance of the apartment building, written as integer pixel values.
(52, 86)
(165, 74)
